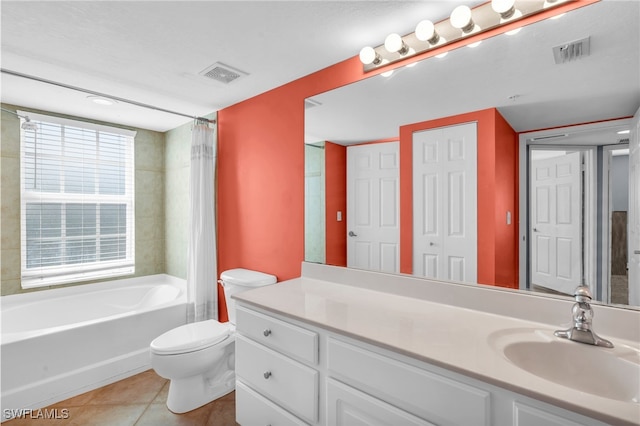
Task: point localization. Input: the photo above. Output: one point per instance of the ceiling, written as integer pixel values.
(153, 52)
(516, 74)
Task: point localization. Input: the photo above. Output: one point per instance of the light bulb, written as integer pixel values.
(369, 56)
(461, 19)
(393, 43)
(426, 31)
(503, 7)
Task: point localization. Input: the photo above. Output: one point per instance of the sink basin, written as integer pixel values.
(609, 373)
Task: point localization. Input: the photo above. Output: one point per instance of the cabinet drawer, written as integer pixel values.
(420, 392)
(284, 337)
(348, 406)
(286, 382)
(254, 409)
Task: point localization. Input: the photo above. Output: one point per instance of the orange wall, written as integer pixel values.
(497, 262)
(260, 196)
(336, 200)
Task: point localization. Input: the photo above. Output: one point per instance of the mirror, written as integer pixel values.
(516, 74)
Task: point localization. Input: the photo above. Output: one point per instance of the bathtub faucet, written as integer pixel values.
(582, 317)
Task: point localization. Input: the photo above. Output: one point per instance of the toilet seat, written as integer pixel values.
(191, 337)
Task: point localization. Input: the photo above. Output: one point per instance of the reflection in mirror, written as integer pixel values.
(517, 75)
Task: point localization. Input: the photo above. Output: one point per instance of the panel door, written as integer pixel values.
(350, 407)
(373, 206)
(445, 203)
(634, 211)
(556, 222)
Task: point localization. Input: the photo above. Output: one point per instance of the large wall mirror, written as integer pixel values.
(531, 89)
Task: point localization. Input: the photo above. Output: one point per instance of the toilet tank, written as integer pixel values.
(238, 280)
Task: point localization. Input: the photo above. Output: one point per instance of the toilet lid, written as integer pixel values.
(191, 337)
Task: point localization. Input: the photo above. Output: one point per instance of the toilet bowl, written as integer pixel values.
(199, 358)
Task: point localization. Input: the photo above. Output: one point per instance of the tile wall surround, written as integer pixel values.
(176, 201)
(149, 212)
(613, 322)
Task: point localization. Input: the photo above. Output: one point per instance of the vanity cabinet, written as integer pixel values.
(293, 373)
(275, 371)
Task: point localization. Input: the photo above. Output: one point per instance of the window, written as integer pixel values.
(77, 203)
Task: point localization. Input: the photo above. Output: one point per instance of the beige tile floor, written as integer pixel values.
(138, 400)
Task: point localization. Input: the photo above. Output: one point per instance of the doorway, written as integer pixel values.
(592, 218)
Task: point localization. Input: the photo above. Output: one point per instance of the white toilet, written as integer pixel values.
(199, 358)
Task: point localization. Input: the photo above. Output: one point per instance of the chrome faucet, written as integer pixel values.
(582, 316)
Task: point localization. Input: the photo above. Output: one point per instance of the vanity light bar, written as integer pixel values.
(428, 36)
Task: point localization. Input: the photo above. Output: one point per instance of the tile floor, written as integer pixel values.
(138, 400)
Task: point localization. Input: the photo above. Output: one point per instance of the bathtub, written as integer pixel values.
(59, 343)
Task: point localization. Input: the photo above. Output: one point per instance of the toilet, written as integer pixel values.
(199, 358)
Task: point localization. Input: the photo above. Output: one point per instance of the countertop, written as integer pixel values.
(456, 338)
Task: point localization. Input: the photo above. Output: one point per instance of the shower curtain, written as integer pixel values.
(202, 291)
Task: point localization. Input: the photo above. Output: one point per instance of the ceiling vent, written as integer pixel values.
(310, 103)
(571, 51)
(222, 73)
(543, 138)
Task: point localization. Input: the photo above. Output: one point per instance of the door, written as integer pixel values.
(445, 203)
(373, 206)
(556, 221)
(634, 211)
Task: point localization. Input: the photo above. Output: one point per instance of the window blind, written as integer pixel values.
(77, 201)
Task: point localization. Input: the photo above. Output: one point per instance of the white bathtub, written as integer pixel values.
(62, 342)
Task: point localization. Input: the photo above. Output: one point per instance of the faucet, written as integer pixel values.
(582, 316)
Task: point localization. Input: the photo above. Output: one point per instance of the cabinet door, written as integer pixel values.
(416, 390)
(254, 409)
(524, 415)
(350, 407)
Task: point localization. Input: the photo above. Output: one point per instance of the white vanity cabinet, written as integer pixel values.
(277, 383)
(290, 372)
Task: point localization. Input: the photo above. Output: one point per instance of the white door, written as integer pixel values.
(556, 222)
(445, 203)
(373, 207)
(634, 211)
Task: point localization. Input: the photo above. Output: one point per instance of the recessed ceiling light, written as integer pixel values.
(624, 132)
(101, 100)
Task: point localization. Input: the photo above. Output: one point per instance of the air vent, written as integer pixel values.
(543, 138)
(571, 51)
(623, 140)
(222, 73)
(310, 103)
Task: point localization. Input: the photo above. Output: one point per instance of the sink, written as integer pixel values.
(609, 373)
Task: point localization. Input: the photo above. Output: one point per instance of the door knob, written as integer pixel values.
(352, 234)
(535, 230)
(432, 243)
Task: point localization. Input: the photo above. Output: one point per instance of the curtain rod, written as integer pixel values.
(92, 92)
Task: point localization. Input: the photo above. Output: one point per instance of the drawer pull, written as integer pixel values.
(266, 332)
(267, 374)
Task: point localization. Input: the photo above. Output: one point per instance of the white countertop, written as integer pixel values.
(452, 337)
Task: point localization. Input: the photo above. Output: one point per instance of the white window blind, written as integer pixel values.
(77, 201)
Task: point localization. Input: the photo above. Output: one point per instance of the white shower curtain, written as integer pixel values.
(202, 290)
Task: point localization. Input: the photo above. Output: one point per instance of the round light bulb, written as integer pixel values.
(461, 17)
(425, 30)
(393, 43)
(502, 6)
(367, 55)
